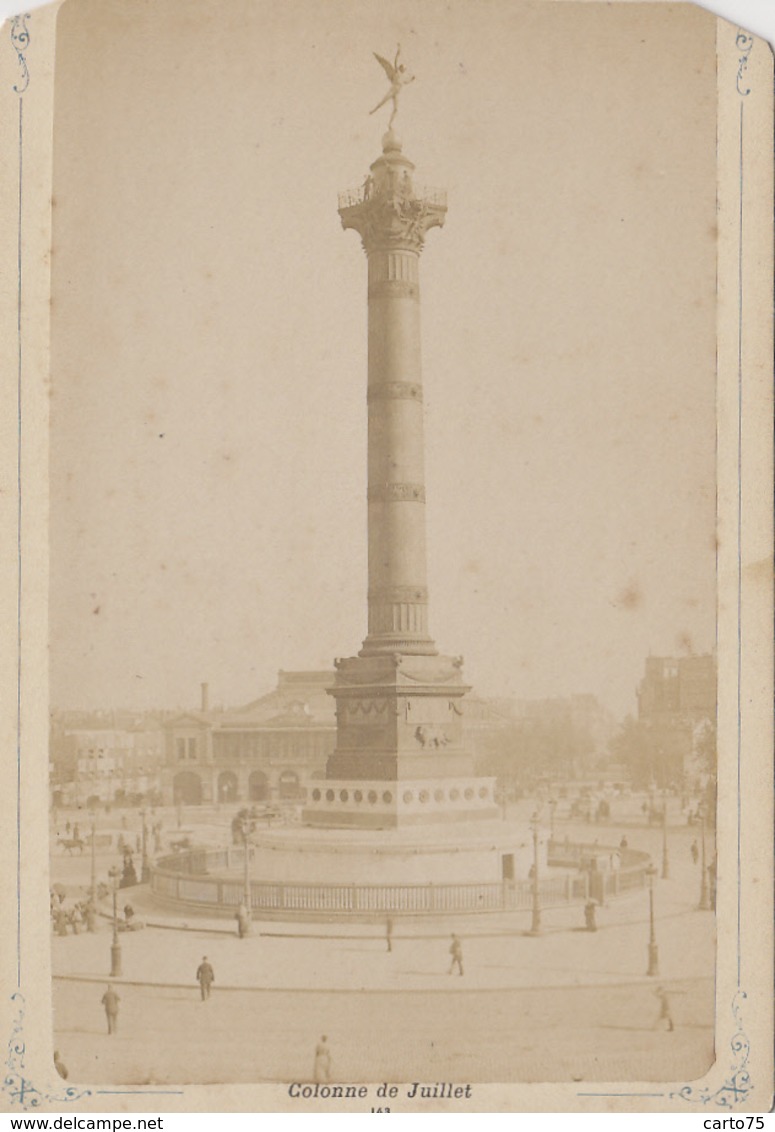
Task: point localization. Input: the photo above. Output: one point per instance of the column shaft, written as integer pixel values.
(398, 596)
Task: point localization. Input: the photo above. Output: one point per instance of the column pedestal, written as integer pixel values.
(400, 758)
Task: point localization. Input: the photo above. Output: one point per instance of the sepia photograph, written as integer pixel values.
(388, 744)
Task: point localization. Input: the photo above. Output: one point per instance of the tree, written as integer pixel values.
(630, 746)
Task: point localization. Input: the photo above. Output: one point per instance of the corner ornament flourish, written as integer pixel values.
(737, 1085)
(744, 43)
(18, 1087)
(20, 40)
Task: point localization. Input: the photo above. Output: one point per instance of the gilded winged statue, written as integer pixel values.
(397, 74)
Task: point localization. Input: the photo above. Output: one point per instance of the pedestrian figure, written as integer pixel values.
(68, 827)
(60, 921)
(322, 1067)
(129, 876)
(589, 916)
(205, 977)
(456, 951)
(110, 1001)
(60, 1066)
(242, 916)
(695, 852)
(623, 844)
(91, 917)
(664, 1009)
(389, 934)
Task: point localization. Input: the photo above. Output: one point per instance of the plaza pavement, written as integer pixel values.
(168, 1036)
(498, 952)
(568, 1005)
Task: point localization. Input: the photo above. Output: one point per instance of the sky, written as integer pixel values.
(208, 420)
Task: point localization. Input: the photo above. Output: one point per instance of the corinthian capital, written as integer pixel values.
(388, 210)
(391, 221)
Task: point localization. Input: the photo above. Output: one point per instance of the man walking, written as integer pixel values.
(322, 1067)
(590, 921)
(456, 951)
(110, 1001)
(90, 915)
(665, 1016)
(205, 977)
(242, 916)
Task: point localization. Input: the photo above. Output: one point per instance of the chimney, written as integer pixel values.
(205, 697)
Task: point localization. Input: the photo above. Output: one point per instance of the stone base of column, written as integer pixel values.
(400, 756)
(396, 766)
(363, 804)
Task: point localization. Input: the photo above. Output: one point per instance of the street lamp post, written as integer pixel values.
(653, 967)
(93, 884)
(246, 840)
(704, 904)
(145, 871)
(115, 948)
(665, 856)
(535, 926)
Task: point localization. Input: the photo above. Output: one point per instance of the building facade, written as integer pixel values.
(677, 719)
(265, 751)
(106, 765)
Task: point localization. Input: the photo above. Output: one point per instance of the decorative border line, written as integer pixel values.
(744, 42)
(737, 1086)
(620, 1094)
(19, 569)
(20, 39)
(23, 1093)
(19, 1088)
